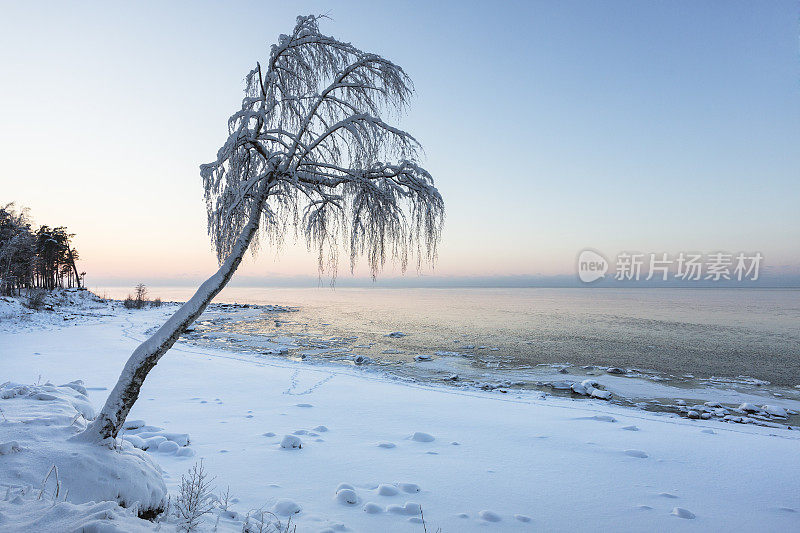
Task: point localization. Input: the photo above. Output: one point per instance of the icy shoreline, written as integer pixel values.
(741, 399)
(514, 461)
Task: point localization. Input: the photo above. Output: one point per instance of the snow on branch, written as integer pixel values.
(312, 148)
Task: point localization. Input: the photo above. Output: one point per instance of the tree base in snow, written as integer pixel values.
(36, 435)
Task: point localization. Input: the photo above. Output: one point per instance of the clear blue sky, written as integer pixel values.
(549, 126)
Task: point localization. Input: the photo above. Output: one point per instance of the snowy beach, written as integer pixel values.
(470, 459)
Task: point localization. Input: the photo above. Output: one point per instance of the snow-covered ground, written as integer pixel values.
(472, 460)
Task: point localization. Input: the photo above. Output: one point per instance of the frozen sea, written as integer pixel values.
(678, 334)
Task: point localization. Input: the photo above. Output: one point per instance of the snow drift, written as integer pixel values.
(37, 423)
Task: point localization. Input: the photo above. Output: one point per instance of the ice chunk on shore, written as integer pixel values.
(578, 388)
(601, 394)
(775, 410)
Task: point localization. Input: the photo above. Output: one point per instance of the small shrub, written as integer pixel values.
(194, 498)
(141, 294)
(35, 299)
(156, 303)
(139, 299)
(129, 302)
(260, 521)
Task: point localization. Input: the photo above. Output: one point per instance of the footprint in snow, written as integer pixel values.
(644, 508)
(387, 445)
(321, 429)
(489, 516)
(667, 495)
(269, 434)
(522, 517)
(599, 418)
(709, 431)
(636, 453)
(304, 405)
(631, 428)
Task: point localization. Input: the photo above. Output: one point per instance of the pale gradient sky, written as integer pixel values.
(548, 126)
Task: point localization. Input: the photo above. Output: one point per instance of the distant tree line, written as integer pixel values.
(34, 258)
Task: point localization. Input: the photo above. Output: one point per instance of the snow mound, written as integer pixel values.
(27, 513)
(373, 508)
(347, 496)
(40, 421)
(291, 442)
(286, 507)
(388, 490)
(409, 487)
(410, 508)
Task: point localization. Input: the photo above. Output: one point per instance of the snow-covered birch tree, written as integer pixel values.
(310, 153)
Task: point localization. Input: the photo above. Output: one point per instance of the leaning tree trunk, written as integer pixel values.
(74, 268)
(144, 358)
